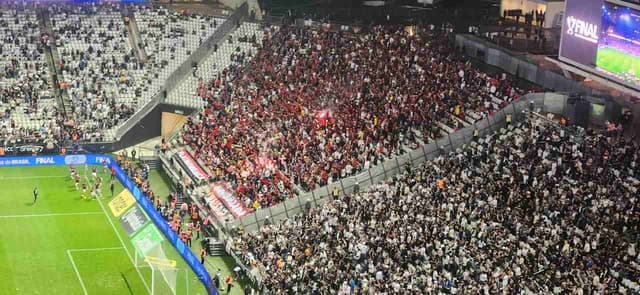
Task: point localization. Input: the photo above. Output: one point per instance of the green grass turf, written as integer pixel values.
(160, 184)
(38, 242)
(617, 62)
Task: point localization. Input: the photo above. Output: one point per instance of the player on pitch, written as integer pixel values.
(84, 190)
(35, 194)
(77, 181)
(72, 171)
(111, 187)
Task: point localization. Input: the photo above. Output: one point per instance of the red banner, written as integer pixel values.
(191, 165)
(224, 195)
(216, 207)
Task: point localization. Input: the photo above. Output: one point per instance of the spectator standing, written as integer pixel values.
(203, 254)
(183, 209)
(229, 282)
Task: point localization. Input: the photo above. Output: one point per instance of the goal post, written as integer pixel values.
(160, 272)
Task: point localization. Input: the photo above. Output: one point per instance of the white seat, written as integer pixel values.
(26, 102)
(185, 93)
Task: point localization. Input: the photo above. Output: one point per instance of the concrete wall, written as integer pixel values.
(253, 6)
(555, 12)
(147, 127)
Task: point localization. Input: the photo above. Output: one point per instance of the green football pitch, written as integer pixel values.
(617, 62)
(63, 244)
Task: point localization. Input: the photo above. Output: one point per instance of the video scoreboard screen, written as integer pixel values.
(603, 36)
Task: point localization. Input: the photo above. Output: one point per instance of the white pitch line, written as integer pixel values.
(30, 177)
(50, 215)
(119, 238)
(75, 268)
(123, 245)
(95, 249)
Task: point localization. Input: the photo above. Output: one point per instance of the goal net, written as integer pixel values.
(162, 272)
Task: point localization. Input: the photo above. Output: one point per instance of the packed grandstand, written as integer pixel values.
(280, 110)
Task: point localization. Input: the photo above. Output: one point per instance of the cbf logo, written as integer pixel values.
(75, 159)
(582, 29)
(45, 161)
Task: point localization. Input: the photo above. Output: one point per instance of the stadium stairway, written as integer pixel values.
(185, 93)
(53, 58)
(134, 34)
(216, 247)
(153, 162)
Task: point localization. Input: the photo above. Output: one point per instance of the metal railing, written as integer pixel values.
(184, 69)
(519, 110)
(545, 102)
(206, 47)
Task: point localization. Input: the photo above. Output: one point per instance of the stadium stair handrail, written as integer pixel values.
(183, 70)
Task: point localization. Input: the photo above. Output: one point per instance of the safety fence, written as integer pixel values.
(518, 110)
(545, 102)
(185, 69)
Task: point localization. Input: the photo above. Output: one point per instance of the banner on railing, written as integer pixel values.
(191, 166)
(216, 207)
(237, 209)
(142, 200)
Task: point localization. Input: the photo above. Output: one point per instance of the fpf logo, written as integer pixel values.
(582, 29)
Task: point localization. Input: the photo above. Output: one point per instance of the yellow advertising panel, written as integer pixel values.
(121, 203)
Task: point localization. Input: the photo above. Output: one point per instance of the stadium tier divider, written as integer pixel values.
(100, 159)
(184, 69)
(543, 102)
(206, 47)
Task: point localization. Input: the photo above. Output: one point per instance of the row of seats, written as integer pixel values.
(237, 42)
(105, 79)
(27, 107)
(529, 210)
(169, 38)
(98, 64)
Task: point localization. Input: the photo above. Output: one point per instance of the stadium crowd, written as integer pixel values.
(98, 65)
(314, 106)
(107, 77)
(533, 211)
(28, 109)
